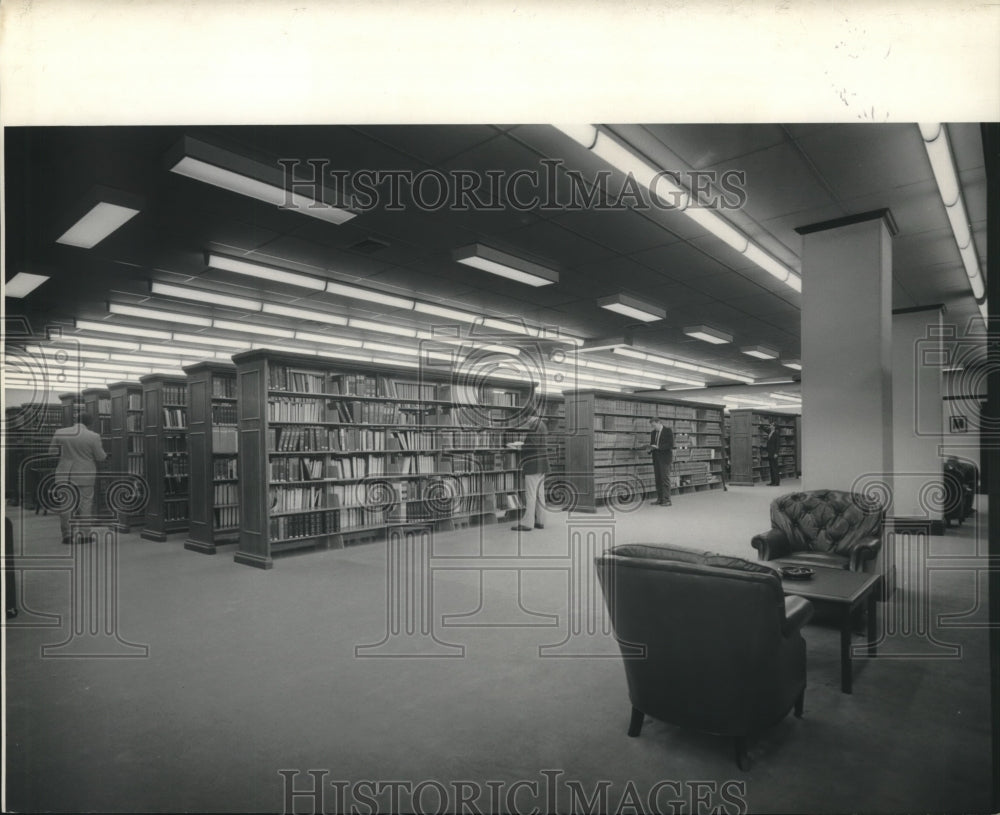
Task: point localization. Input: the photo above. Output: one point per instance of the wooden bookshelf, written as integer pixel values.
(28, 432)
(748, 445)
(164, 418)
(127, 442)
(97, 402)
(607, 443)
(335, 453)
(212, 452)
(72, 406)
(554, 413)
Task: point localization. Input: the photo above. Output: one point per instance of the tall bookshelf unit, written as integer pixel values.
(72, 406)
(97, 402)
(127, 441)
(213, 454)
(164, 417)
(608, 443)
(748, 445)
(554, 413)
(28, 434)
(335, 453)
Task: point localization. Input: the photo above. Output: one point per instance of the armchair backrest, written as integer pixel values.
(826, 520)
(710, 627)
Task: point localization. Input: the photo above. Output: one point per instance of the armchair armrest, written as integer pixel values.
(771, 544)
(864, 550)
(798, 611)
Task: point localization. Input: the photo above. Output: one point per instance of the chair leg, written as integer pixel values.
(740, 749)
(799, 702)
(635, 726)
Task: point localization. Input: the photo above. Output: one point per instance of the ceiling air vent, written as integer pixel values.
(369, 246)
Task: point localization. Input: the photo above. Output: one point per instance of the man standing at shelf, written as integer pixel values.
(661, 446)
(79, 450)
(772, 454)
(534, 465)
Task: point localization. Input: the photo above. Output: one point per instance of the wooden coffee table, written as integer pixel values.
(846, 591)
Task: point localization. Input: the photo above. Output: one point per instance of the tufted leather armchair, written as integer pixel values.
(709, 642)
(831, 528)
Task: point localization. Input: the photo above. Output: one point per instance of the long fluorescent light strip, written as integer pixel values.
(370, 325)
(304, 314)
(626, 161)
(325, 339)
(111, 328)
(491, 260)
(250, 328)
(102, 219)
(938, 147)
(706, 333)
(262, 191)
(356, 293)
(204, 296)
(269, 273)
(201, 339)
(447, 313)
(158, 314)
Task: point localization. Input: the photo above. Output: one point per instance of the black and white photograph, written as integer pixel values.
(523, 408)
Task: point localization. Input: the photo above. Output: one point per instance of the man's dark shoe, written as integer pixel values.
(521, 528)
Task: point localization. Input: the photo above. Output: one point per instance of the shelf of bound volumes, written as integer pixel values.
(748, 445)
(554, 413)
(28, 431)
(164, 418)
(72, 407)
(97, 402)
(607, 445)
(334, 454)
(213, 455)
(127, 443)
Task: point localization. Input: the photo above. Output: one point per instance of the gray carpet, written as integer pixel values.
(249, 673)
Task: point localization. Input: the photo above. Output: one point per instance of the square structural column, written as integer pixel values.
(847, 354)
(918, 356)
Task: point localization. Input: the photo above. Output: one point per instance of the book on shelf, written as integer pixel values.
(174, 417)
(225, 439)
(224, 387)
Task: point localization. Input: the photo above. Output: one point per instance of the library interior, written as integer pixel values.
(539, 468)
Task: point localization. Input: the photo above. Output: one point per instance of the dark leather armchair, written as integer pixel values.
(709, 642)
(831, 528)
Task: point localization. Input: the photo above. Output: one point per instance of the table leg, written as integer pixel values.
(872, 633)
(846, 668)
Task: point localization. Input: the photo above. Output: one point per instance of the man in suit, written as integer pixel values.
(79, 450)
(661, 446)
(534, 465)
(772, 454)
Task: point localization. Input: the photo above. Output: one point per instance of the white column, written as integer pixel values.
(846, 351)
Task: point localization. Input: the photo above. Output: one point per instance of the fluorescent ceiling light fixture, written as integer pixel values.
(794, 364)
(622, 158)
(22, 284)
(712, 222)
(630, 306)
(604, 344)
(181, 351)
(392, 349)
(204, 296)
(506, 265)
(788, 397)
(97, 342)
(111, 328)
(357, 293)
(370, 325)
(708, 334)
(287, 349)
(772, 266)
(99, 222)
(505, 325)
(137, 358)
(158, 314)
(629, 352)
(203, 339)
(585, 135)
(304, 314)
(250, 328)
(349, 357)
(327, 339)
(935, 136)
(759, 351)
(447, 313)
(259, 270)
(245, 176)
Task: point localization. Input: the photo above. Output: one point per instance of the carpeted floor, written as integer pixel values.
(248, 673)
